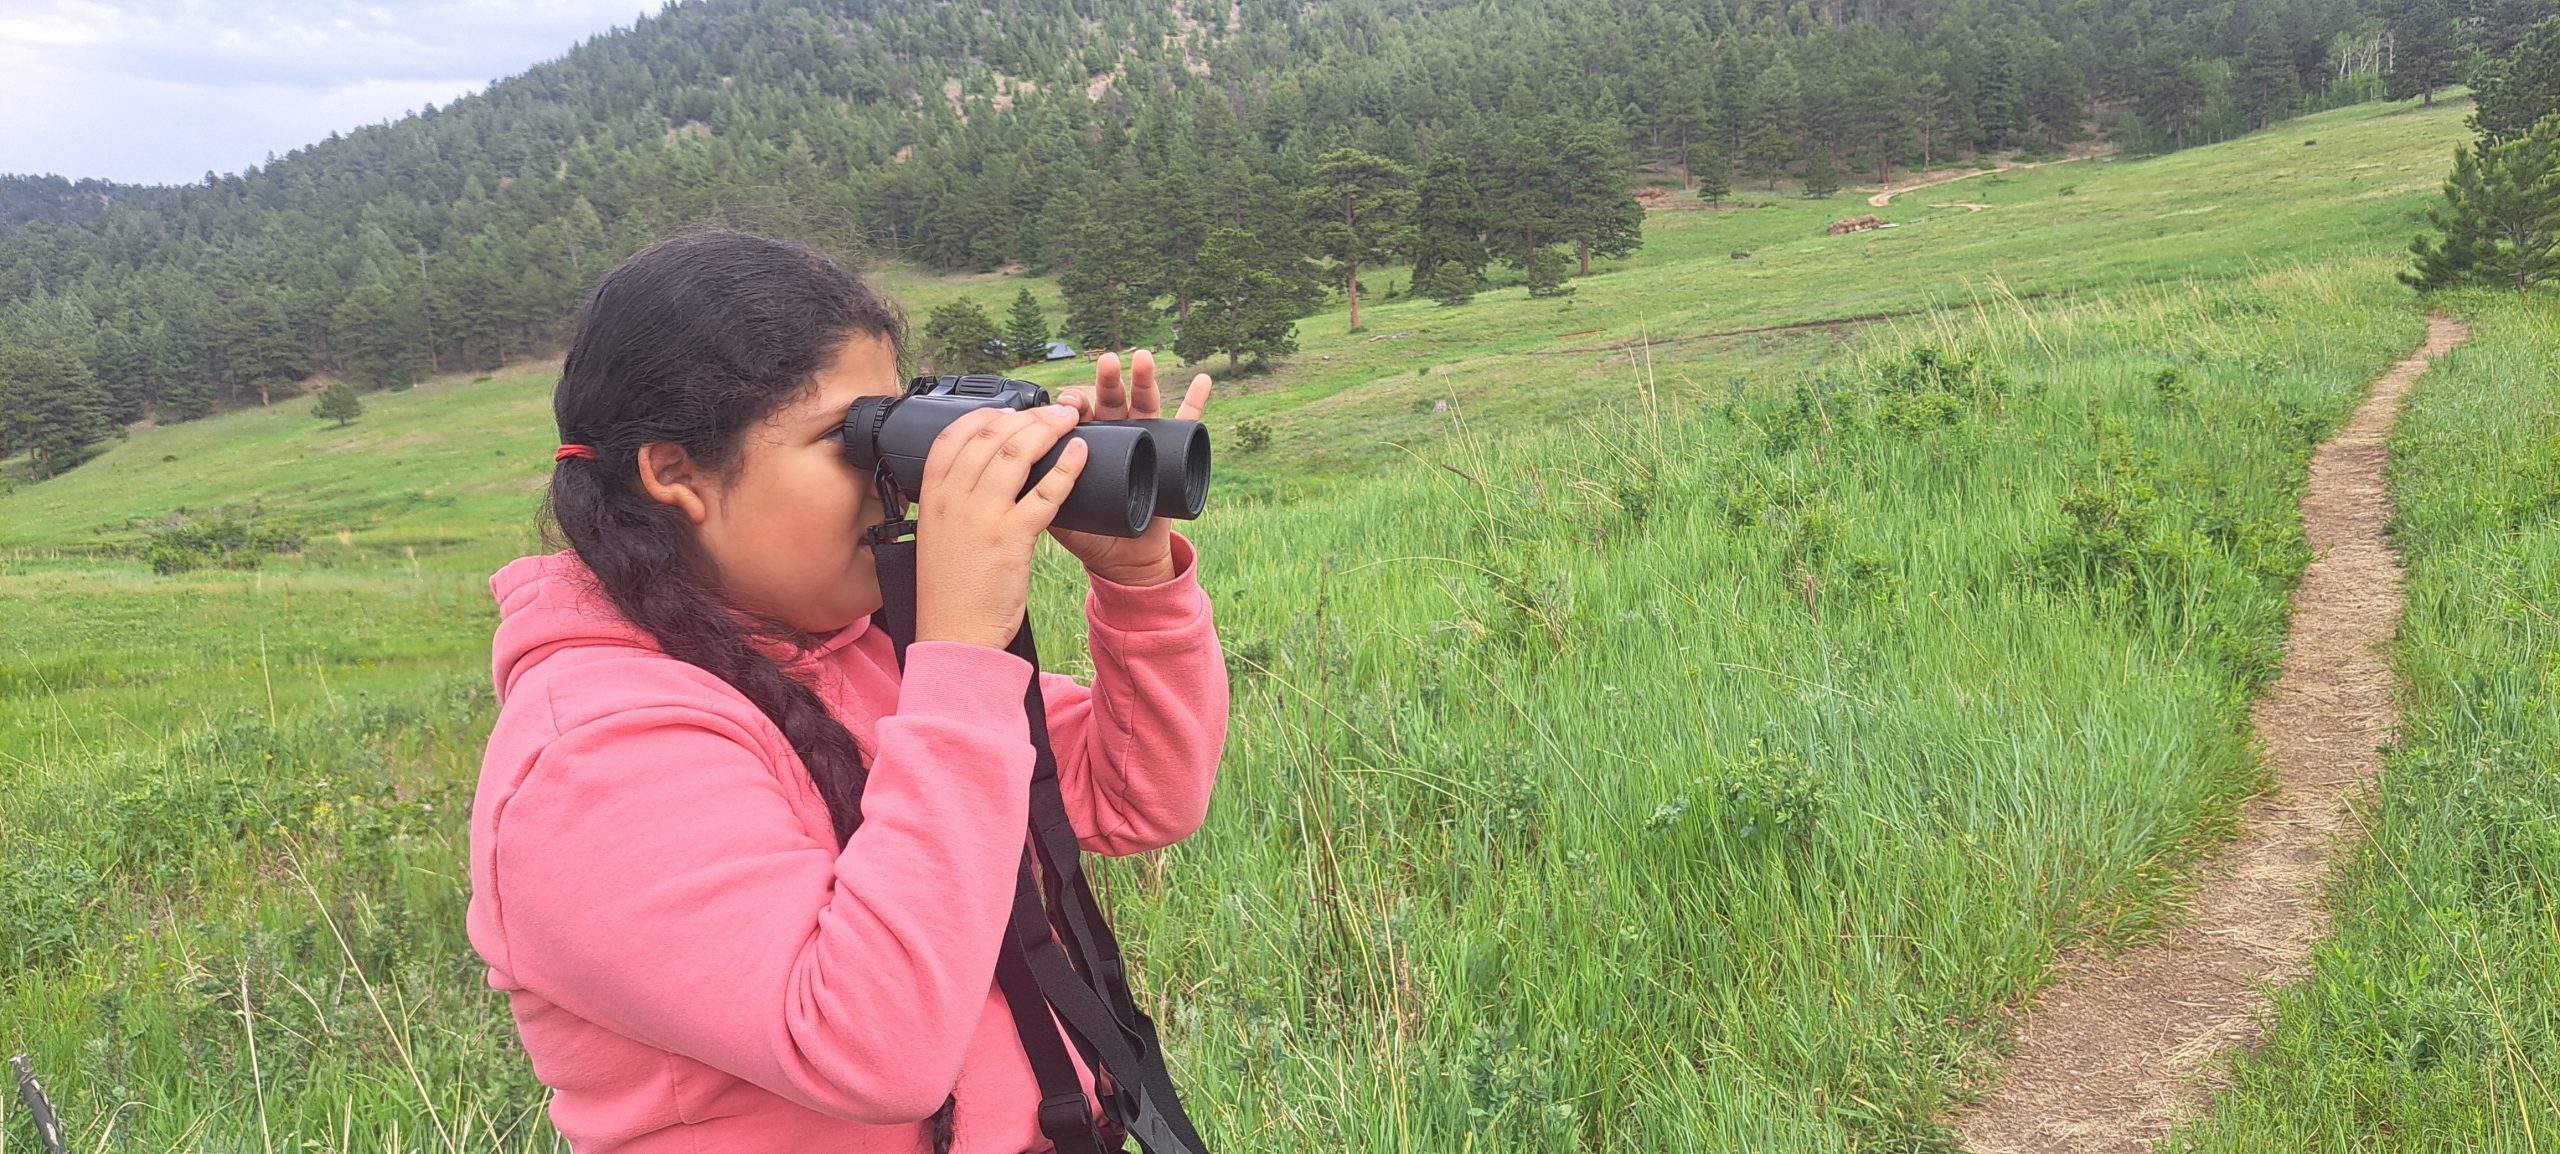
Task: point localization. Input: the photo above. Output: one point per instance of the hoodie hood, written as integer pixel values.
(552, 602)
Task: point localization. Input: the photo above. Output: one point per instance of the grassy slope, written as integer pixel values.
(1663, 791)
(2432, 1021)
(436, 481)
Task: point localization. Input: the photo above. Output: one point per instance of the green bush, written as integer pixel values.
(223, 541)
(1546, 272)
(44, 898)
(1252, 436)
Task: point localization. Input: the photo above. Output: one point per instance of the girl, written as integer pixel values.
(743, 882)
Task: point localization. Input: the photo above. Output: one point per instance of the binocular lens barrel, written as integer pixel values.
(1118, 493)
(1182, 465)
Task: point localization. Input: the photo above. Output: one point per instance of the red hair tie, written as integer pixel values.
(568, 451)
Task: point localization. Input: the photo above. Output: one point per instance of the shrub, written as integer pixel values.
(1452, 284)
(225, 541)
(44, 897)
(338, 403)
(1252, 436)
(2170, 386)
(1930, 388)
(1546, 272)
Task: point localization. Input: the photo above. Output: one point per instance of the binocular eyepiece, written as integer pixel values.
(1134, 472)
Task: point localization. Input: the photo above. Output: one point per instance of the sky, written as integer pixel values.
(163, 92)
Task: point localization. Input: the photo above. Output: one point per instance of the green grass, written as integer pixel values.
(2432, 1019)
(1644, 739)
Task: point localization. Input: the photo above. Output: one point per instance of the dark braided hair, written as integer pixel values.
(693, 340)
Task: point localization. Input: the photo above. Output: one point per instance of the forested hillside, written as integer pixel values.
(1150, 154)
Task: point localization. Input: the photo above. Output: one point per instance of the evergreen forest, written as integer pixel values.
(1158, 159)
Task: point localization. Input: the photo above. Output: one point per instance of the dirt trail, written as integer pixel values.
(2119, 1049)
(1885, 197)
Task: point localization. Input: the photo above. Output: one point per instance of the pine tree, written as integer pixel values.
(1546, 270)
(2171, 95)
(1828, 116)
(121, 359)
(1715, 176)
(51, 408)
(1881, 115)
(2501, 217)
(1771, 120)
(1689, 117)
(1177, 203)
(186, 389)
(2057, 99)
(1450, 284)
(1522, 185)
(959, 337)
(1106, 280)
(1026, 330)
(2513, 93)
(260, 348)
(338, 403)
(2502, 25)
(1935, 119)
(1246, 298)
(584, 241)
(2422, 50)
(380, 337)
(1448, 222)
(2000, 101)
(1599, 213)
(1357, 207)
(1821, 180)
(2268, 86)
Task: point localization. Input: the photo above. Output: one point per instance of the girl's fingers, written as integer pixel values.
(1195, 400)
(1145, 402)
(1025, 439)
(977, 450)
(1111, 403)
(1079, 399)
(1040, 506)
(951, 444)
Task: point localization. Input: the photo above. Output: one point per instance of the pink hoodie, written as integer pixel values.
(656, 886)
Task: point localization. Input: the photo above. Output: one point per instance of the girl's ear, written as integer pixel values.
(671, 478)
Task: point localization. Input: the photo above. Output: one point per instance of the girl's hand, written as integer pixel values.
(1145, 559)
(973, 539)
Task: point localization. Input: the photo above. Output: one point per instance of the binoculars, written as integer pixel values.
(1134, 472)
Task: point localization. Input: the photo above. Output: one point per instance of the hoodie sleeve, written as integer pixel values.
(1138, 751)
(653, 879)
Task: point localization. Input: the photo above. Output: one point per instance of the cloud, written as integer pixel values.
(163, 92)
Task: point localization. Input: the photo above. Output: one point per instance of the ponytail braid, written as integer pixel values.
(691, 341)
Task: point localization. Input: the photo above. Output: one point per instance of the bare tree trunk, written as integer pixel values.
(1351, 288)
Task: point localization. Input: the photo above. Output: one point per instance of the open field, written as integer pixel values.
(1646, 739)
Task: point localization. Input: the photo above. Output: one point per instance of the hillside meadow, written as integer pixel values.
(1657, 727)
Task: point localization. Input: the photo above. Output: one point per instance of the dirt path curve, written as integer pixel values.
(2117, 1050)
(1885, 197)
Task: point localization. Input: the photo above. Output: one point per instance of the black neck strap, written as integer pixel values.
(1083, 982)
